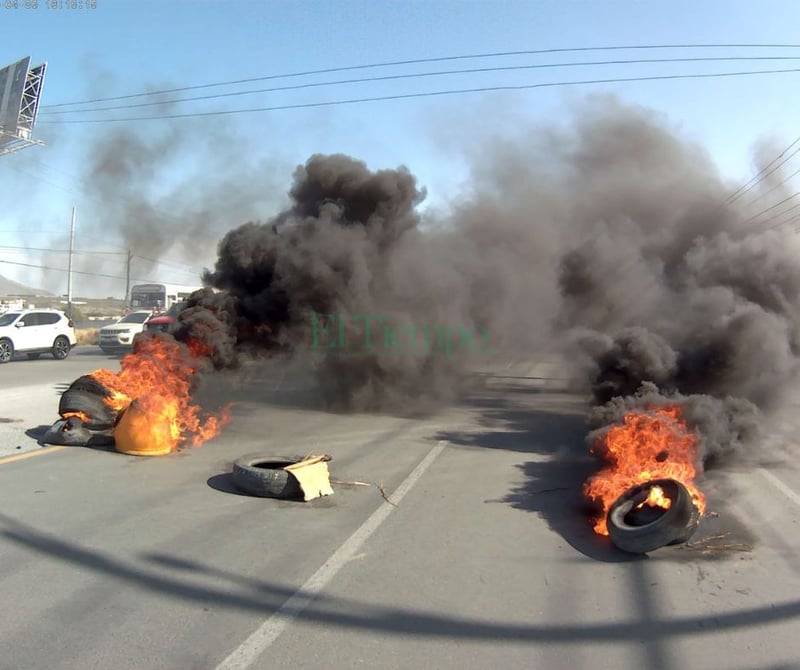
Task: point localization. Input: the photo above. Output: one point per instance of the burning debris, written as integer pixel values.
(144, 409)
(647, 492)
(86, 416)
(683, 308)
(648, 446)
(610, 238)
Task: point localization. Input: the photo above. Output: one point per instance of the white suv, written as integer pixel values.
(34, 332)
(118, 337)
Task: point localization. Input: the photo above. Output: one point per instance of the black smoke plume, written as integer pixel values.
(610, 238)
(346, 276)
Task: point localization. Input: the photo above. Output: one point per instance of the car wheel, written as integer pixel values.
(264, 476)
(33, 357)
(6, 351)
(61, 348)
(639, 530)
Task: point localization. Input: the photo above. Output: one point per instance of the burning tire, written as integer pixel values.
(86, 419)
(98, 414)
(638, 526)
(265, 477)
(73, 431)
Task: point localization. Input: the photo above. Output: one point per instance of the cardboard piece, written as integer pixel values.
(313, 476)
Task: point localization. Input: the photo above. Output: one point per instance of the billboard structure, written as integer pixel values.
(20, 89)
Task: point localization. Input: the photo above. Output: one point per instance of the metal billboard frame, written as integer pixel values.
(24, 113)
(12, 87)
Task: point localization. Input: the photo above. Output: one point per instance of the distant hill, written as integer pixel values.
(12, 288)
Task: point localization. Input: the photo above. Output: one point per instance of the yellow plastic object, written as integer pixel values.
(141, 432)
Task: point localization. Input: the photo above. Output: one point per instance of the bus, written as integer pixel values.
(159, 297)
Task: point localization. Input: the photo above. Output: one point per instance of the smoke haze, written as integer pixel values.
(609, 238)
(167, 194)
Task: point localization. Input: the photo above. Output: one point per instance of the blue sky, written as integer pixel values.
(121, 48)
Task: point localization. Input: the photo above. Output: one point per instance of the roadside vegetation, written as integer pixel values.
(88, 335)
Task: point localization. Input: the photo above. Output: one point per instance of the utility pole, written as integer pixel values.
(128, 280)
(69, 271)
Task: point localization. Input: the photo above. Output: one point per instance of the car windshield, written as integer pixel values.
(8, 318)
(135, 317)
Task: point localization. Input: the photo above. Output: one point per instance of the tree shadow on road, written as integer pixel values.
(551, 482)
(188, 580)
(550, 425)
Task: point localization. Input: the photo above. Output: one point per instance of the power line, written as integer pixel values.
(47, 267)
(177, 266)
(777, 186)
(32, 232)
(780, 214)
(420, 75)
(429, 94)
(794, 219)
(418, 61)
(778, 204)
(763, 174)
(189, 270)
(760, 176)
(90, 274)
(63, 251)
(83, 187)
(785, 222)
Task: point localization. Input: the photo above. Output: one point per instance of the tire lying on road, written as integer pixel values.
(265, 477)
(74, 432)
(641, 530)
(100, 415)
(86, 419)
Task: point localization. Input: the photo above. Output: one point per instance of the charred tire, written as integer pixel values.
(61, 348)
(6, 351)
(92, 405)
(265, 477)
(90, 385)
(74, 432)
(673, 526)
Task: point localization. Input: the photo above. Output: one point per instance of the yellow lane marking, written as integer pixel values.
(30, 454)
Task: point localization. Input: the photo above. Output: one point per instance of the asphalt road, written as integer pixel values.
(31, 391)
(483, 558)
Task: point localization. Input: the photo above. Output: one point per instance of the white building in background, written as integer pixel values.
(15, 303)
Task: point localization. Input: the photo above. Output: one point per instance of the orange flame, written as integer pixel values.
(159, 376)
(656, 498)
(83, 416)
(655, 444)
